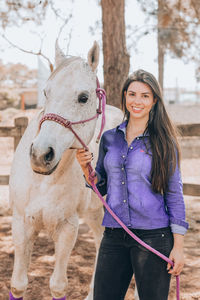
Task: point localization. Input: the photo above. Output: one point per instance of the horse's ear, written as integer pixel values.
(59, 55)
(93, 56)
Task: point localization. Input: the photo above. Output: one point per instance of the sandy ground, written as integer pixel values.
(82, 259)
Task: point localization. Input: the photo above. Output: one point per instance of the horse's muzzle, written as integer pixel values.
(42, 162)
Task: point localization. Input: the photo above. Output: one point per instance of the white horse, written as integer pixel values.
(56, 201)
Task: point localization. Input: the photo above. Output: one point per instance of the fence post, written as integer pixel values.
(22, 102)
(20, 124)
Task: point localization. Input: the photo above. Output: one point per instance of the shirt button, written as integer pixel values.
(122, 169)
(131, 147)
(123, 182)
(138, 138)
(123, 156)
(124, 201)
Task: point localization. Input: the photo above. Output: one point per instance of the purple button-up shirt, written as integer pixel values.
(124, 175)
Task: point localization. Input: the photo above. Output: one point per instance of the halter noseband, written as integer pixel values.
(101, 94)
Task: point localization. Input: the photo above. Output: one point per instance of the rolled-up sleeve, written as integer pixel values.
(175, 203)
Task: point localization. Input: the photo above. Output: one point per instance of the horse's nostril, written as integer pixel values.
(49, 155)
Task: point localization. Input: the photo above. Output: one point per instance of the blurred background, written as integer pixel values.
(159, 36)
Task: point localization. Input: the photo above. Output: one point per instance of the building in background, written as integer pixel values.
(181, 96)
(29, 98)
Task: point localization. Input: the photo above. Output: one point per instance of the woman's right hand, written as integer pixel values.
(84, 157)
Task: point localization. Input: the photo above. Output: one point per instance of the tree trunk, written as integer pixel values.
(116, 58)
(161, 50)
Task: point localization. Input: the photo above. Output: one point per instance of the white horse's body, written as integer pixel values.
(57, 201)
(54, 202)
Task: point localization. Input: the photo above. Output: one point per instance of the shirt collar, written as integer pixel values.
(122, 127)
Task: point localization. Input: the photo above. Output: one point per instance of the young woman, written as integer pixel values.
(138, 169)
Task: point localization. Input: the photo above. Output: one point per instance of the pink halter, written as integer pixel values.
(101, 94)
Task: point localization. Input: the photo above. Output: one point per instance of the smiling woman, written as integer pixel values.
(138, 169)
(144, 109)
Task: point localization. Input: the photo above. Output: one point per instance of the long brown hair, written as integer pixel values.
(163, 134)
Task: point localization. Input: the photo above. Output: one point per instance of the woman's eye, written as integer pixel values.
(82, 98)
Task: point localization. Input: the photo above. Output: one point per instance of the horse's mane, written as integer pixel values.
(66, 62)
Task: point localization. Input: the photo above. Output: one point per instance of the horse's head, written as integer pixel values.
(70, 93)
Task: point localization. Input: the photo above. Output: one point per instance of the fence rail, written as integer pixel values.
(191, 189)
(21, 123)
(189, 130)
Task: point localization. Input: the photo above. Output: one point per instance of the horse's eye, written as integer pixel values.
(83, 98)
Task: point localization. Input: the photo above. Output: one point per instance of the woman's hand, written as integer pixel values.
(84, 157)
(176, 256)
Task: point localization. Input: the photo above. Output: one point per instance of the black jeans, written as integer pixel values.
(120, 256)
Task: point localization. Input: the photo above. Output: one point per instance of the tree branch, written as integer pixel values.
(29, 51)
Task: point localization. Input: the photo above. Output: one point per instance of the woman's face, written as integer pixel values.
(139, 100)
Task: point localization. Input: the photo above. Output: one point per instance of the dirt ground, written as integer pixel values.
(82, 259)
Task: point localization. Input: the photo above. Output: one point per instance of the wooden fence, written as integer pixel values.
(17, 131)
(190, 130)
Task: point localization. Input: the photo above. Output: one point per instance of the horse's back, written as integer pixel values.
(114, 116)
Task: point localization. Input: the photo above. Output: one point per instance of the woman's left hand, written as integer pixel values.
(177, 257)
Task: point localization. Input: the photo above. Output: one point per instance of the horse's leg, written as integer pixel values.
(94, 220)
(64, 238)
(23, 234)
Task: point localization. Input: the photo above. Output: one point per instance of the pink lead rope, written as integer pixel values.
(101, 110)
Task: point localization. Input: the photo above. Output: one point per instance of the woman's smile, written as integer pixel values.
(137, 109)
